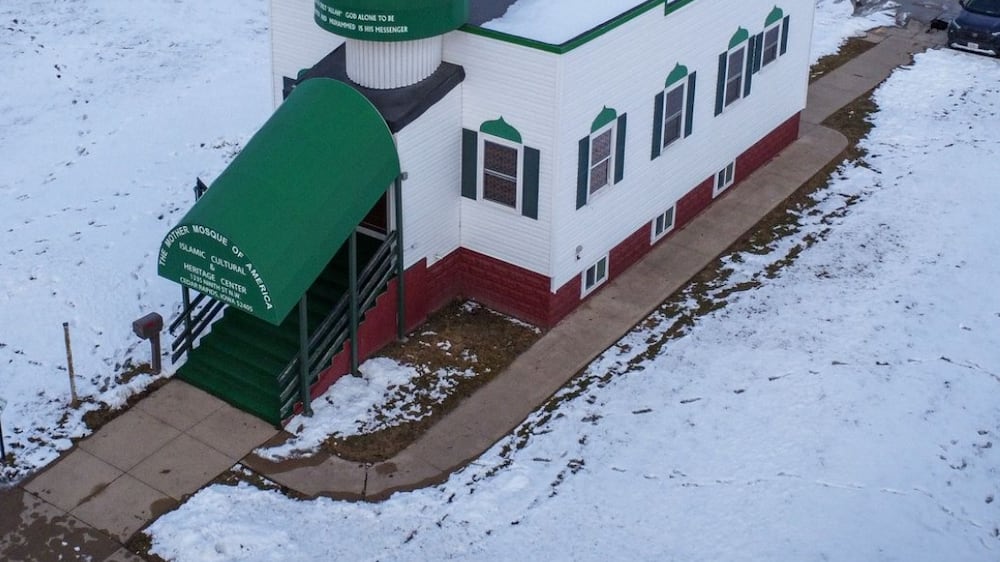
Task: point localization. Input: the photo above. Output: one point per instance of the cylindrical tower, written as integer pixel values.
(391, 43)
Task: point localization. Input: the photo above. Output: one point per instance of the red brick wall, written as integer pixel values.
(694, 202)
(564, 300)
(516, 291)
(767, 148)
(629, 251)
(505, 287)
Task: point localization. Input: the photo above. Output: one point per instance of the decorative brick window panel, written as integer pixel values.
(500, 174)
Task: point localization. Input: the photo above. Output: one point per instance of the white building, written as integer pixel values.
(544, 151)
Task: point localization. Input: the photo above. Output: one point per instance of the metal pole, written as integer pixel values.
(397, 189)
(352, 258)
(186, 301)
(155, 364)
(304, 357)
(74, 401)
(3, 448)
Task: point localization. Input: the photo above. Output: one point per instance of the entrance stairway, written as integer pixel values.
(241, 358)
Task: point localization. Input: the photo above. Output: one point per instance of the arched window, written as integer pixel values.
(602, 155)
(673, 109)
(498, 168)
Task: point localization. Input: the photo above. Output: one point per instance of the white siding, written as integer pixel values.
(625, 69)
(385, 65)
(296, 41)
(519, 84)
(429, 150)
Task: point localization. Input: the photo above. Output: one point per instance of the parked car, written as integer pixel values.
(977, 27)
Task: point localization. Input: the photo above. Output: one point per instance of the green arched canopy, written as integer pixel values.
(679, 73)
(774, 17)
(502, 129)
(740, 36)
(606, 116)
(276, 216)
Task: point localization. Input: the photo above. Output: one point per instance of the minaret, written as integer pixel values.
(391, 43)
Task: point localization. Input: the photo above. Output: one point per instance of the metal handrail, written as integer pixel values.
(194, 304)
(329, 337)
(184, 342)
(209, 308)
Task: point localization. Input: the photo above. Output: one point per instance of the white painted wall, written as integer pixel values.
(296, 41)
(552, 100)
(625, 69)
(429, 150)
(521, 85)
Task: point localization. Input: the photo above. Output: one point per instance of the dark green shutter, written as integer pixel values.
(583, 172)
(620, 149)
(751, 50)
(657, 125)
(758, 52)
(784, 35)
(529, 205)
(470, 162)
(689, 115)
(720, 92)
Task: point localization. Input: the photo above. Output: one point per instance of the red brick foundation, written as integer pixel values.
(514, 290)
(767, 148)
(694, 202)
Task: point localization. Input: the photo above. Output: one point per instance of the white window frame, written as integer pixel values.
(613, 129)
(598, 279)
(481, 171)
(724, 179)
(776, 27)
(742, 76)
(668, 219)
(682, 86)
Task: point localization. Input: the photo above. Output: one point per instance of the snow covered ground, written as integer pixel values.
(834, 24)
(845, 409)
(108, 112)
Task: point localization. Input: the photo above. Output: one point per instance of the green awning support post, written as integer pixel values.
(352, 259)
(304, 357)
(186, 302)
(397, 192)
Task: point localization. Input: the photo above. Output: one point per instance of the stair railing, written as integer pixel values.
(196, 316)
(331, 334)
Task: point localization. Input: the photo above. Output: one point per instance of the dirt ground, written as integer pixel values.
(462, 336)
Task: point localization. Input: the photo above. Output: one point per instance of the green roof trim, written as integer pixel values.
(390, 20)
(676, 75)
(276, 216)
(740, 36)
(676, 5)
(502, 129)
(581, 39)
(606, 116)
(775, 16)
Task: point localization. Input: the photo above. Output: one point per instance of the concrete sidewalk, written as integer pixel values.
(92, 500)
(500, 406)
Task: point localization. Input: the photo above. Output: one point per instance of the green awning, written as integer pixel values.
(276, 216)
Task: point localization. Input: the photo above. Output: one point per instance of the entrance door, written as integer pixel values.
(376, 222)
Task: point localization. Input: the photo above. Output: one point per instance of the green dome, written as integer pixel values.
(390, 20)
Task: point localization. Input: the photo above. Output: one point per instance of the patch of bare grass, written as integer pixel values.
(851, 48)
(462, 337)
